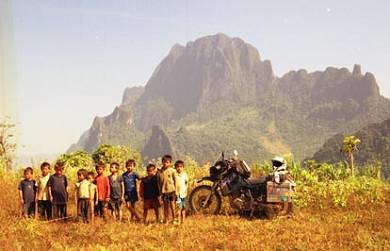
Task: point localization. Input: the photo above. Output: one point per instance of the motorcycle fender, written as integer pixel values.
(203, 179)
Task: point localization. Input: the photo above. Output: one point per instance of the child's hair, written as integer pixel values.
(59, 165)
(116, 164)
(91, 174)
(45, 164)
(166, 157)
(28, 170)
(130, 162)
(83, 172)
(150, 166)
(100, 164)
(179, 162)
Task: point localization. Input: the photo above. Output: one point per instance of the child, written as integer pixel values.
(103, 188)
(27, 192)
(58, 191)
(43, 196)
(149, 192)
(182, 183)
(167, 187)
(93, 195)
(116, 191)
(82, 194)
(130, 192)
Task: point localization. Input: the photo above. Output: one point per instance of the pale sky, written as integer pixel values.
(74, 58)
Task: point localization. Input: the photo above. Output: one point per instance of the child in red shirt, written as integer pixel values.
(103, 188)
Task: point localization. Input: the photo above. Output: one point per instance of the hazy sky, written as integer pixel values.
(73, 59)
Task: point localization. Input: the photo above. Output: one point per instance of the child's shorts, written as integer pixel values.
(181, 202)
(151, 204)
(169, 196)
(131, 196)
(99, 209)
(115, 205)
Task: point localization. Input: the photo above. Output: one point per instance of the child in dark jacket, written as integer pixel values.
(27, 192)
(58, 191)
(149, 192)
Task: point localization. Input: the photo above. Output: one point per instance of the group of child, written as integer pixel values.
(163, 185)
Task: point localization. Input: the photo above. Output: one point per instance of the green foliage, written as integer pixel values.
(79, 159)
(373, 170)
(115, 153)
(350, 146)
(321, 183)
(7, 146)
(374, 148)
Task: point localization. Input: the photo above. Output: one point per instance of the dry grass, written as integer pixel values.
(354, 228)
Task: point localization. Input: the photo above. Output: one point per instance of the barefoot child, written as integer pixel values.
(130, 183)
(167, 187)
(93, 195)
(82, 194)
(149, 192)
(43, 196)
(27, 193)
(103, 188)
(182, 184)
(116, 191)
(58, 191)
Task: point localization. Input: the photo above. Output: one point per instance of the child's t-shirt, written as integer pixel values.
(182, 184)
(115, 187)
(103, 187)
(28, 190)
(58, 185)
(149, 188)
(43, 190)
(83, 189)
(130, 181)
(166, 180)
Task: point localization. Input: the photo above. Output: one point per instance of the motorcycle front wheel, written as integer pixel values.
(200, 205)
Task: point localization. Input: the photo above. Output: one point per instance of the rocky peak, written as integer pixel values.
(357, 71)
(158, 144)
(131, 95)
(210, 69)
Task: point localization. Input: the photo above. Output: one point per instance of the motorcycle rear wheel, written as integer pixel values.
(198, 203)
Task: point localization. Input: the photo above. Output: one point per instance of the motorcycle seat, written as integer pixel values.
(257, 180)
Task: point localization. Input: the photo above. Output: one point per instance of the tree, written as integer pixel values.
(7, 147)
(79, 159)
(115, 153)
(350, 146)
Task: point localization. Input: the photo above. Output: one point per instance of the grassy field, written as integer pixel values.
(356, 227)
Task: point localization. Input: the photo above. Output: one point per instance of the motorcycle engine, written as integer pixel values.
(238, 203)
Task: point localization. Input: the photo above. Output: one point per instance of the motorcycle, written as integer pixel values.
(249, 196)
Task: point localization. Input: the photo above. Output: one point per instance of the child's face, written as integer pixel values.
(166, 163)
(45, 170)
(130, 167)
(99, 170)
(151, 172)
(90, 177)
(59, 170)
(113, 169)
(28, 175)
(179, 168)
(80, 176)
